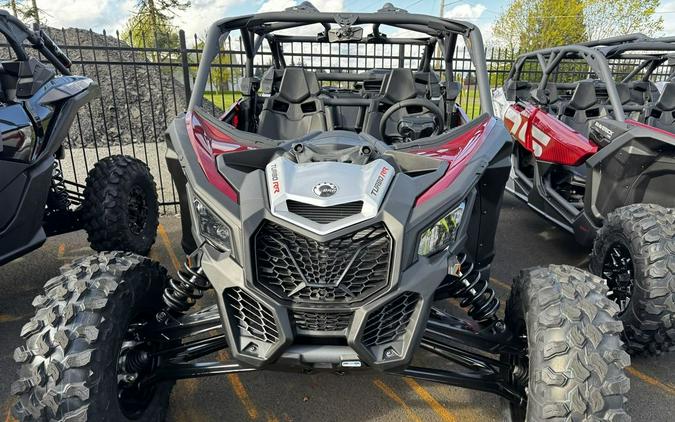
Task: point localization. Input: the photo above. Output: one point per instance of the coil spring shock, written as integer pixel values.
(58, 195)
(189, 286)
(473, 291)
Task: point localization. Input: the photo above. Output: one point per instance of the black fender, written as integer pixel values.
(637, 166)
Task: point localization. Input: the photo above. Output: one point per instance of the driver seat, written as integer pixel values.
(296, 110)
(397, 86)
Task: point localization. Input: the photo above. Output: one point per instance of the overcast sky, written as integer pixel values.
(112, 14)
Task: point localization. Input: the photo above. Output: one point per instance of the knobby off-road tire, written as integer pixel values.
(120, 210)
(69, 362)
(575, 359)
(647, 233)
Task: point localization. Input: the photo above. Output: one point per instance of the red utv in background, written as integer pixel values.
(594, 126)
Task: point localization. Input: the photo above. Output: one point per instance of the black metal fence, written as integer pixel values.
(145, 86)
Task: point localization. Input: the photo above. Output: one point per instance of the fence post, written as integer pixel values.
(401, 56)
(185, 65)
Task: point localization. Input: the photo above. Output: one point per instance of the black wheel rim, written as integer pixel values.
(619, 272)
(134, 364)
(137, 210)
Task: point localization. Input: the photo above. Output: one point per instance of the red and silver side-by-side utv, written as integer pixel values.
(328, 216)
(594, 126)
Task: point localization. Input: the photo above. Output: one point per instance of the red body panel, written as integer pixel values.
(547, 137)
(208, 143)
(457, 151)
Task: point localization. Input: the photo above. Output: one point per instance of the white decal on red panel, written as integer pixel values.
(518, 124)
(539, 141)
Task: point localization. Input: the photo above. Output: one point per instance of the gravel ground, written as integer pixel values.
(523, 240)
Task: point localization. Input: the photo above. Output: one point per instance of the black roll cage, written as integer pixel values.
(597, 55)
(256, 28)
(16, 33)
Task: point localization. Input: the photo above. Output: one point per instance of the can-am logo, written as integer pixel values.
(379, 181)
(325, 189)
(276, 188)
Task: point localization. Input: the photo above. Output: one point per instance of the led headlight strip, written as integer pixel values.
(442, 233)
(213, 228)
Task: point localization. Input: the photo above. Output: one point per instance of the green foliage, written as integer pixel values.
(554, 22)
(223, 76)
(25, 10)
(606, 18)
(533, 24)
(151, 25)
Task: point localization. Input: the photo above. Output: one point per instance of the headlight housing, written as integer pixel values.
(213, 228)
(442, 233)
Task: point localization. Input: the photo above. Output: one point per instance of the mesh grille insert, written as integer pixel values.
(253, 318)
(324, 215)
(390, 321)
(322, 321)
(342, 270)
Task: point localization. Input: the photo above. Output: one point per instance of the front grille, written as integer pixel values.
(390, 321)
(324, 215)
(322, 321)
(341, 270)
(253, 318)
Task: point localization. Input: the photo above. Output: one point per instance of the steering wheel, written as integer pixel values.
(419, 102)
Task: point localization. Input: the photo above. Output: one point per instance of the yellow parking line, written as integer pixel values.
(234, 379)
(7, 406)
(240, 390)
(441, 411)
(169, 248)
(651, 380)
(9, 318)
(500, 283)
(389, 392)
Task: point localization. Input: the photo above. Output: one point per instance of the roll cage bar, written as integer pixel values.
(16, 33)
(256, 28)
(596, 54)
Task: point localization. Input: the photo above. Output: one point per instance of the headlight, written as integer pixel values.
(213, 228)
(442, 233)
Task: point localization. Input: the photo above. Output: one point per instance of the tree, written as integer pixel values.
(532, 24)
(152, 24)
(535, 24)
(23, 9)
(512, 23)
(605, 18)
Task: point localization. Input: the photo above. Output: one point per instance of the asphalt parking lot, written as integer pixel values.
(523, 240)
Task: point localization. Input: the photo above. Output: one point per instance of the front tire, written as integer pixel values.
(70, 364)
(120, 210)
(635, 252)
(573, 366)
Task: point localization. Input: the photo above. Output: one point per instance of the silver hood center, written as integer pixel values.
(326, 184)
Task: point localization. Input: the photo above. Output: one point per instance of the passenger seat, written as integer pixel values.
(662, 114)
(582, 107)
(296, 110)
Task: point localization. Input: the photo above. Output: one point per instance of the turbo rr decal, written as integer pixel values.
(274, 179)
(379, 182)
